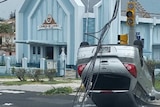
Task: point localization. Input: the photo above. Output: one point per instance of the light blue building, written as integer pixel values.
(45, 26)
(147, 27)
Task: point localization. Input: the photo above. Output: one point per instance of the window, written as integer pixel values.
(34, 50)
(49, 52)
(39, 50)
(0, 40)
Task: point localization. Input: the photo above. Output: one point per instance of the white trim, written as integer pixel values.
(46, 27)
(108, 91)
(153, 20)
(29, 51)
(78, 16)
(89, 15)
(30, 23)
(19, 33)
(29, 18)
(151, 39)
(68, 28)
(20, 7)
(40, 42)
(96, 12)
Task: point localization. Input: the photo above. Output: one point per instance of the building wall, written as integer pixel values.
(149, 31)
(66, 13)
(71, 16)
(107, 13)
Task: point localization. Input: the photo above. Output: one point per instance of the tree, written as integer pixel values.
(1, 19)
(12, 15)
(151, 64)
(5, 28)
(7, 33)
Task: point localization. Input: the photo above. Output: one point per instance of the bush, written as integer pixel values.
(50, 73)
(157, 85)
(35, 74)
(151, 64)
(13, 70)
(20, 73)
(2, 64)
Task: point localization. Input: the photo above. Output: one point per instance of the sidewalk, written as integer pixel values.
(43, 87)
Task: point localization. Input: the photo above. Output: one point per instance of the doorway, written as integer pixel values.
(49, 52)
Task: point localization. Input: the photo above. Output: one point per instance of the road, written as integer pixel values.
(12, 98)
(9, 98)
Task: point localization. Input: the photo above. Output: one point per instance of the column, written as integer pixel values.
(151, 40)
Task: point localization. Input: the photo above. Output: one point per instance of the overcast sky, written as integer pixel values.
(9, 6)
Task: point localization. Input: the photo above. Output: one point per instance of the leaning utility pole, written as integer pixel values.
(131, 13)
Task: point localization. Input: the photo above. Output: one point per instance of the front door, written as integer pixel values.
(49, 52)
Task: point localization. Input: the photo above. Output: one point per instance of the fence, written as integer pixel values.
(6, 63)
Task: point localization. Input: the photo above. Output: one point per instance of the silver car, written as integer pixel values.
(116, 77)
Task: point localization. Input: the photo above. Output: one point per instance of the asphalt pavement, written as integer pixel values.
(30, 95)
(74, 84)
(11, 98)
(34, 99)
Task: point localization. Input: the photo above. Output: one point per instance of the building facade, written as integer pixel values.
(44, 27)
(147, 26)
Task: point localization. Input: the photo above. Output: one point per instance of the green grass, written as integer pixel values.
(33, 82)
(17, 82)
(7, 76)
(60, 90)
(157, 85)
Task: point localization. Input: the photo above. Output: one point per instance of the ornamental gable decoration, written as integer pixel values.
(49, 23)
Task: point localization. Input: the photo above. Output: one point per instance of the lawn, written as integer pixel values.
(12, 80)
(157, 85)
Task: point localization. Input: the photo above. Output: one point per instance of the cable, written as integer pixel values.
(115, 12)
(105, 28)
(89, 75)
(3, 1)
(91, 35)
(85, 39)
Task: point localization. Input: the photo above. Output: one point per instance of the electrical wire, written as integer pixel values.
(3, 1)
(78, 95)
(90, 70)
(115, 12)
(105, 30)
(92, 64)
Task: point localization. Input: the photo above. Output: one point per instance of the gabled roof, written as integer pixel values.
(91, 4)
(24, 5)
(152, 6)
